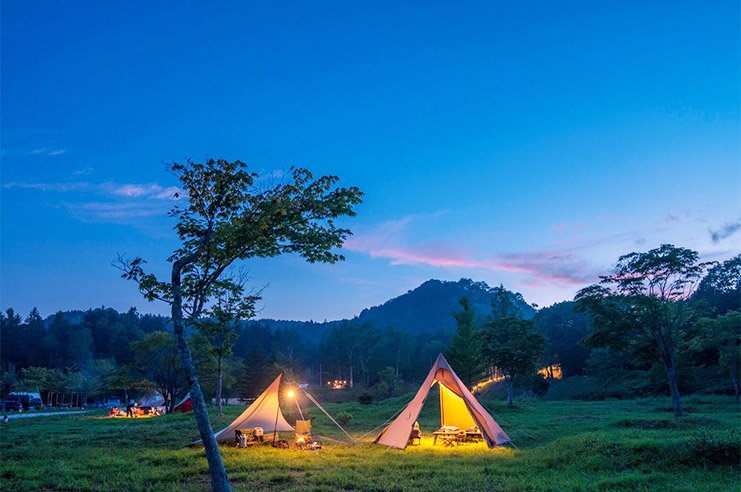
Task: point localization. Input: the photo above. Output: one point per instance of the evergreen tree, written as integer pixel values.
(464, 353)
(254, 377)
(34, 334)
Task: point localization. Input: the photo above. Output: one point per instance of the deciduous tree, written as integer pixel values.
(514, 346)
(723, 334)
(645, 304)
(229, 216)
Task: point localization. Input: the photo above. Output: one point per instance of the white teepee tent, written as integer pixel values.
(154, 400)
(264, 412)
(458, 408)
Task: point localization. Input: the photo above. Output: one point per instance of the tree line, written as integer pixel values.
(663, 322)
(101, 352)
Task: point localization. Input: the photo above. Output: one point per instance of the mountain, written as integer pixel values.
(427, 308)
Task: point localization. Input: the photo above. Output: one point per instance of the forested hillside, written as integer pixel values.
(100, 351)
(426, 308)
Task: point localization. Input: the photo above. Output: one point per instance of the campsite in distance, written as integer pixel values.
(386, 247)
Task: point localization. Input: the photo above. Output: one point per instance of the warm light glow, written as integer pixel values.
(290, 394)
(338, 383)
(551, 372)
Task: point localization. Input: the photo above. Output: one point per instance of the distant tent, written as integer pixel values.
(264, 412)
(458, 408)
(184, 406)
(154, 400)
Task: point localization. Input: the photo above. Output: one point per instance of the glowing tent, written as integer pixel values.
(184, 406)
(458, 408)
(153, 400)
(264, 412)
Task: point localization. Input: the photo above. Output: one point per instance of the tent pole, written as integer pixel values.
(275, 427)
(277, 412)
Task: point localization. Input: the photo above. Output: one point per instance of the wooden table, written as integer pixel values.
(448, 437)
(445, 436)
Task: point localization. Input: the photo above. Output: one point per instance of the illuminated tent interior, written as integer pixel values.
(263, 412)
(458, 408)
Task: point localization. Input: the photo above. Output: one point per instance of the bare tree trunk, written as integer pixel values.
(510, 390)
(351, 376)
(735, 384)
(219, 479)
(218, 385)
(676, 400)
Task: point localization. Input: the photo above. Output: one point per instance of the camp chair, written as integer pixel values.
(302, 436)
(416, 434)
(473, 434)
(460, 436)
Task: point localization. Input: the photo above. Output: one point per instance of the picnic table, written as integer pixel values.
(448, 437)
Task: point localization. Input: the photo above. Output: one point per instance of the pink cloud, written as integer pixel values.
(539, 267)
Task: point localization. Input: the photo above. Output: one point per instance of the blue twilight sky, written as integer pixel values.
(522, 143)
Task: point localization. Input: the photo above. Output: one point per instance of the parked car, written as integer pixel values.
(36, 403)
(17, 401)
(10, 405)
(113, 401)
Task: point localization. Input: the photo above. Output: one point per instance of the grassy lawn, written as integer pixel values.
(564, 445)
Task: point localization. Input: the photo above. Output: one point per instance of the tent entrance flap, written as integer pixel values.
(453, 410)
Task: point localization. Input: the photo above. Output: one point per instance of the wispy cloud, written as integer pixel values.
(726, 230)
(384, 241)
(112, 211)
(112, 189)
(543, 266)
(47, 151)
(563, 226)
(110, 201)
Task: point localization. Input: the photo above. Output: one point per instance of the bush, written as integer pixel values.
(713, 449)
(540, 385)
(343, 418)
(366, 398)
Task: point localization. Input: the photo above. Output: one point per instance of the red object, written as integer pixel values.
(184, 406)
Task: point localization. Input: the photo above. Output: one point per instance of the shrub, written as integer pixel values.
(366, 398)
(343, 418)
(716, 449)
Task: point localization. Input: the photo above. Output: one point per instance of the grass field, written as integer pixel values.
(565, 445)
